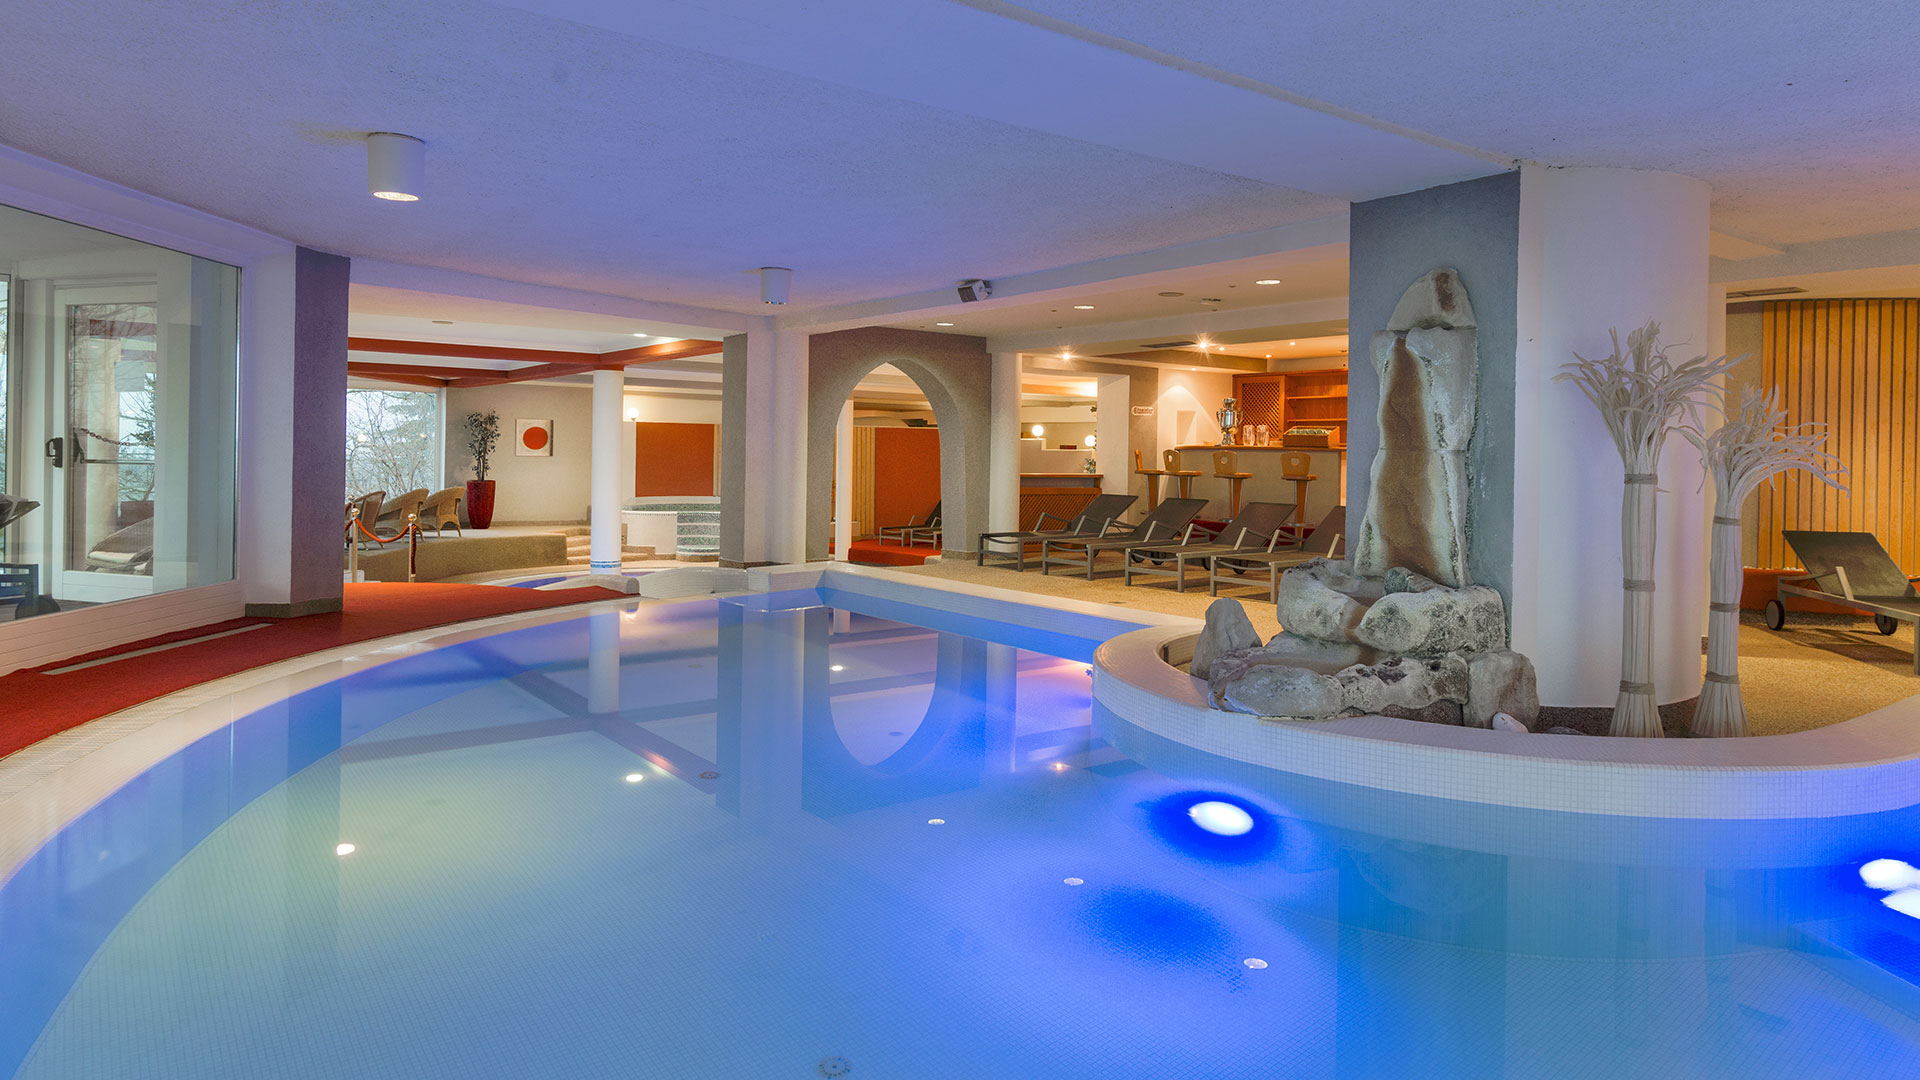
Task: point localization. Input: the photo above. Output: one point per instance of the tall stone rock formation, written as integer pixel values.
(1428, 362)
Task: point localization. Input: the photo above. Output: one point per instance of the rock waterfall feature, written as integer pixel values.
(1401, 630)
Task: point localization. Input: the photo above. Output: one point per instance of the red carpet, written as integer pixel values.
(37, 705)
(876, 553)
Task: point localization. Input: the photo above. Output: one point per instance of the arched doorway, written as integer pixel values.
(954, 374)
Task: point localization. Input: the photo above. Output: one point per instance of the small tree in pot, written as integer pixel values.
(483, 432)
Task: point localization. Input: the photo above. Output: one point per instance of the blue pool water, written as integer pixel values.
(814, 834)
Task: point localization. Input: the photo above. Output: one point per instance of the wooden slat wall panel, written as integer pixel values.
(1853, 365)
(863, 482)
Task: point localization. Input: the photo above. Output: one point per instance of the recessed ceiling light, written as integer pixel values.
(1269, 356)
(1083, 307)
(443, 322)
(943, 324)
(1293, 343)
(639, 335)
(838, 667)
(1268, 281)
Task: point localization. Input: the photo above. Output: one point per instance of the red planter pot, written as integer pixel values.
(479, 503)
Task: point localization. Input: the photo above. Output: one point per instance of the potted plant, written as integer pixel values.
(483, 431)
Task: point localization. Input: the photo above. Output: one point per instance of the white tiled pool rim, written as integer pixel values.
(1865, 765)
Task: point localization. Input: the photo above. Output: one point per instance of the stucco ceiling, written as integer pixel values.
(882, 147)
(1804, 117)
(565, 155)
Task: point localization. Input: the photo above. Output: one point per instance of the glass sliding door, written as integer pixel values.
(120, 414)
(111, 346)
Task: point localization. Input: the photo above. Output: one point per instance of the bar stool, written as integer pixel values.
(1153, 479)
(1294, 466)
(1226, 466)
(1172, 458)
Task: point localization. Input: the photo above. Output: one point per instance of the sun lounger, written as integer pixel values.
(1258, 528)
(913, 525)
(1094, 519)
(1168, 522)
(1849, 569)
(1325, 542)
(125, 551)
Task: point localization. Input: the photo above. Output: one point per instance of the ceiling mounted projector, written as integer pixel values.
(975, 289)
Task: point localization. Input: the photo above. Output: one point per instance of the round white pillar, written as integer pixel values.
(603, 491)
(1003, 451)
(1603, 249)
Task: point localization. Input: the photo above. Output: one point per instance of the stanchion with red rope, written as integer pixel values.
(411, 533)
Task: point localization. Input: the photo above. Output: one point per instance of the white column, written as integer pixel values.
(1600, 249)
(1003, 451)
(1110, 430)
(776, 445)
(843, 483)
(603, 491)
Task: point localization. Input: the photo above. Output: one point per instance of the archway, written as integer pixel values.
(954, 374)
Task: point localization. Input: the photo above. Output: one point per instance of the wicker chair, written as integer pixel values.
(441, 509)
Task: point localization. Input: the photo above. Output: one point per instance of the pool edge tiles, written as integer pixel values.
(1866, 765)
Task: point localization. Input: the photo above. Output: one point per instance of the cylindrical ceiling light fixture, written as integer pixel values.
(775, 281)
(396, 166)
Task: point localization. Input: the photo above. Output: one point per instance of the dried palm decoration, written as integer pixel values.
(1643, 397)
(1752, 446)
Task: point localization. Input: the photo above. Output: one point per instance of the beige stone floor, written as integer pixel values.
(1819, 670)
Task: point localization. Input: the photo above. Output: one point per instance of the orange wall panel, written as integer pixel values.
(906, 474)
(673, 459)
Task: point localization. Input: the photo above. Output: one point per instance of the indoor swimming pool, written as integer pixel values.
(813, 834)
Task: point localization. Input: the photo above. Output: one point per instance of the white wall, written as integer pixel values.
(1188, 400)
(555, 489)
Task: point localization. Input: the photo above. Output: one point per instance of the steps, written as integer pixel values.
(697, 524)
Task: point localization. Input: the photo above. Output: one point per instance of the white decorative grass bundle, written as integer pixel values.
(1753, 445)
(1643, 397)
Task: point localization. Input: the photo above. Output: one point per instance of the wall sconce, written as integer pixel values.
(633, 416)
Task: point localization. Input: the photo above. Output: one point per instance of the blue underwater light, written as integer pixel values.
(1215, 825)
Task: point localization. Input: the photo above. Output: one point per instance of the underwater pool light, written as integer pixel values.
(1074, 881)
(1221, 819)
(936, 821)
(1900, 879)
(634, 777)
(1254, 962)
(344, 850)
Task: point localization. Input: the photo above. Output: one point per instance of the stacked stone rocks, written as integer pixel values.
(1402, 645)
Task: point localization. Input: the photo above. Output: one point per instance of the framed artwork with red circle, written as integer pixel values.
(533, 438)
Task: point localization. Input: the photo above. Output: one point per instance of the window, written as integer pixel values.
(393, 441)
(117, 415)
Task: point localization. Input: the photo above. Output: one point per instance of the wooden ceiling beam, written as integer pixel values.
(541, 363)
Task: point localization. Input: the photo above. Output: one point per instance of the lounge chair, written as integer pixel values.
(369, 505)
(1852, 570)
(396, 509)
(1092, 520)
(441, 509)
(1325, 542)
(913, 525)
(1259, 528)
(124, 551)
(1170, 522)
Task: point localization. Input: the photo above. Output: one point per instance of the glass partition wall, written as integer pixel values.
(117, 417)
